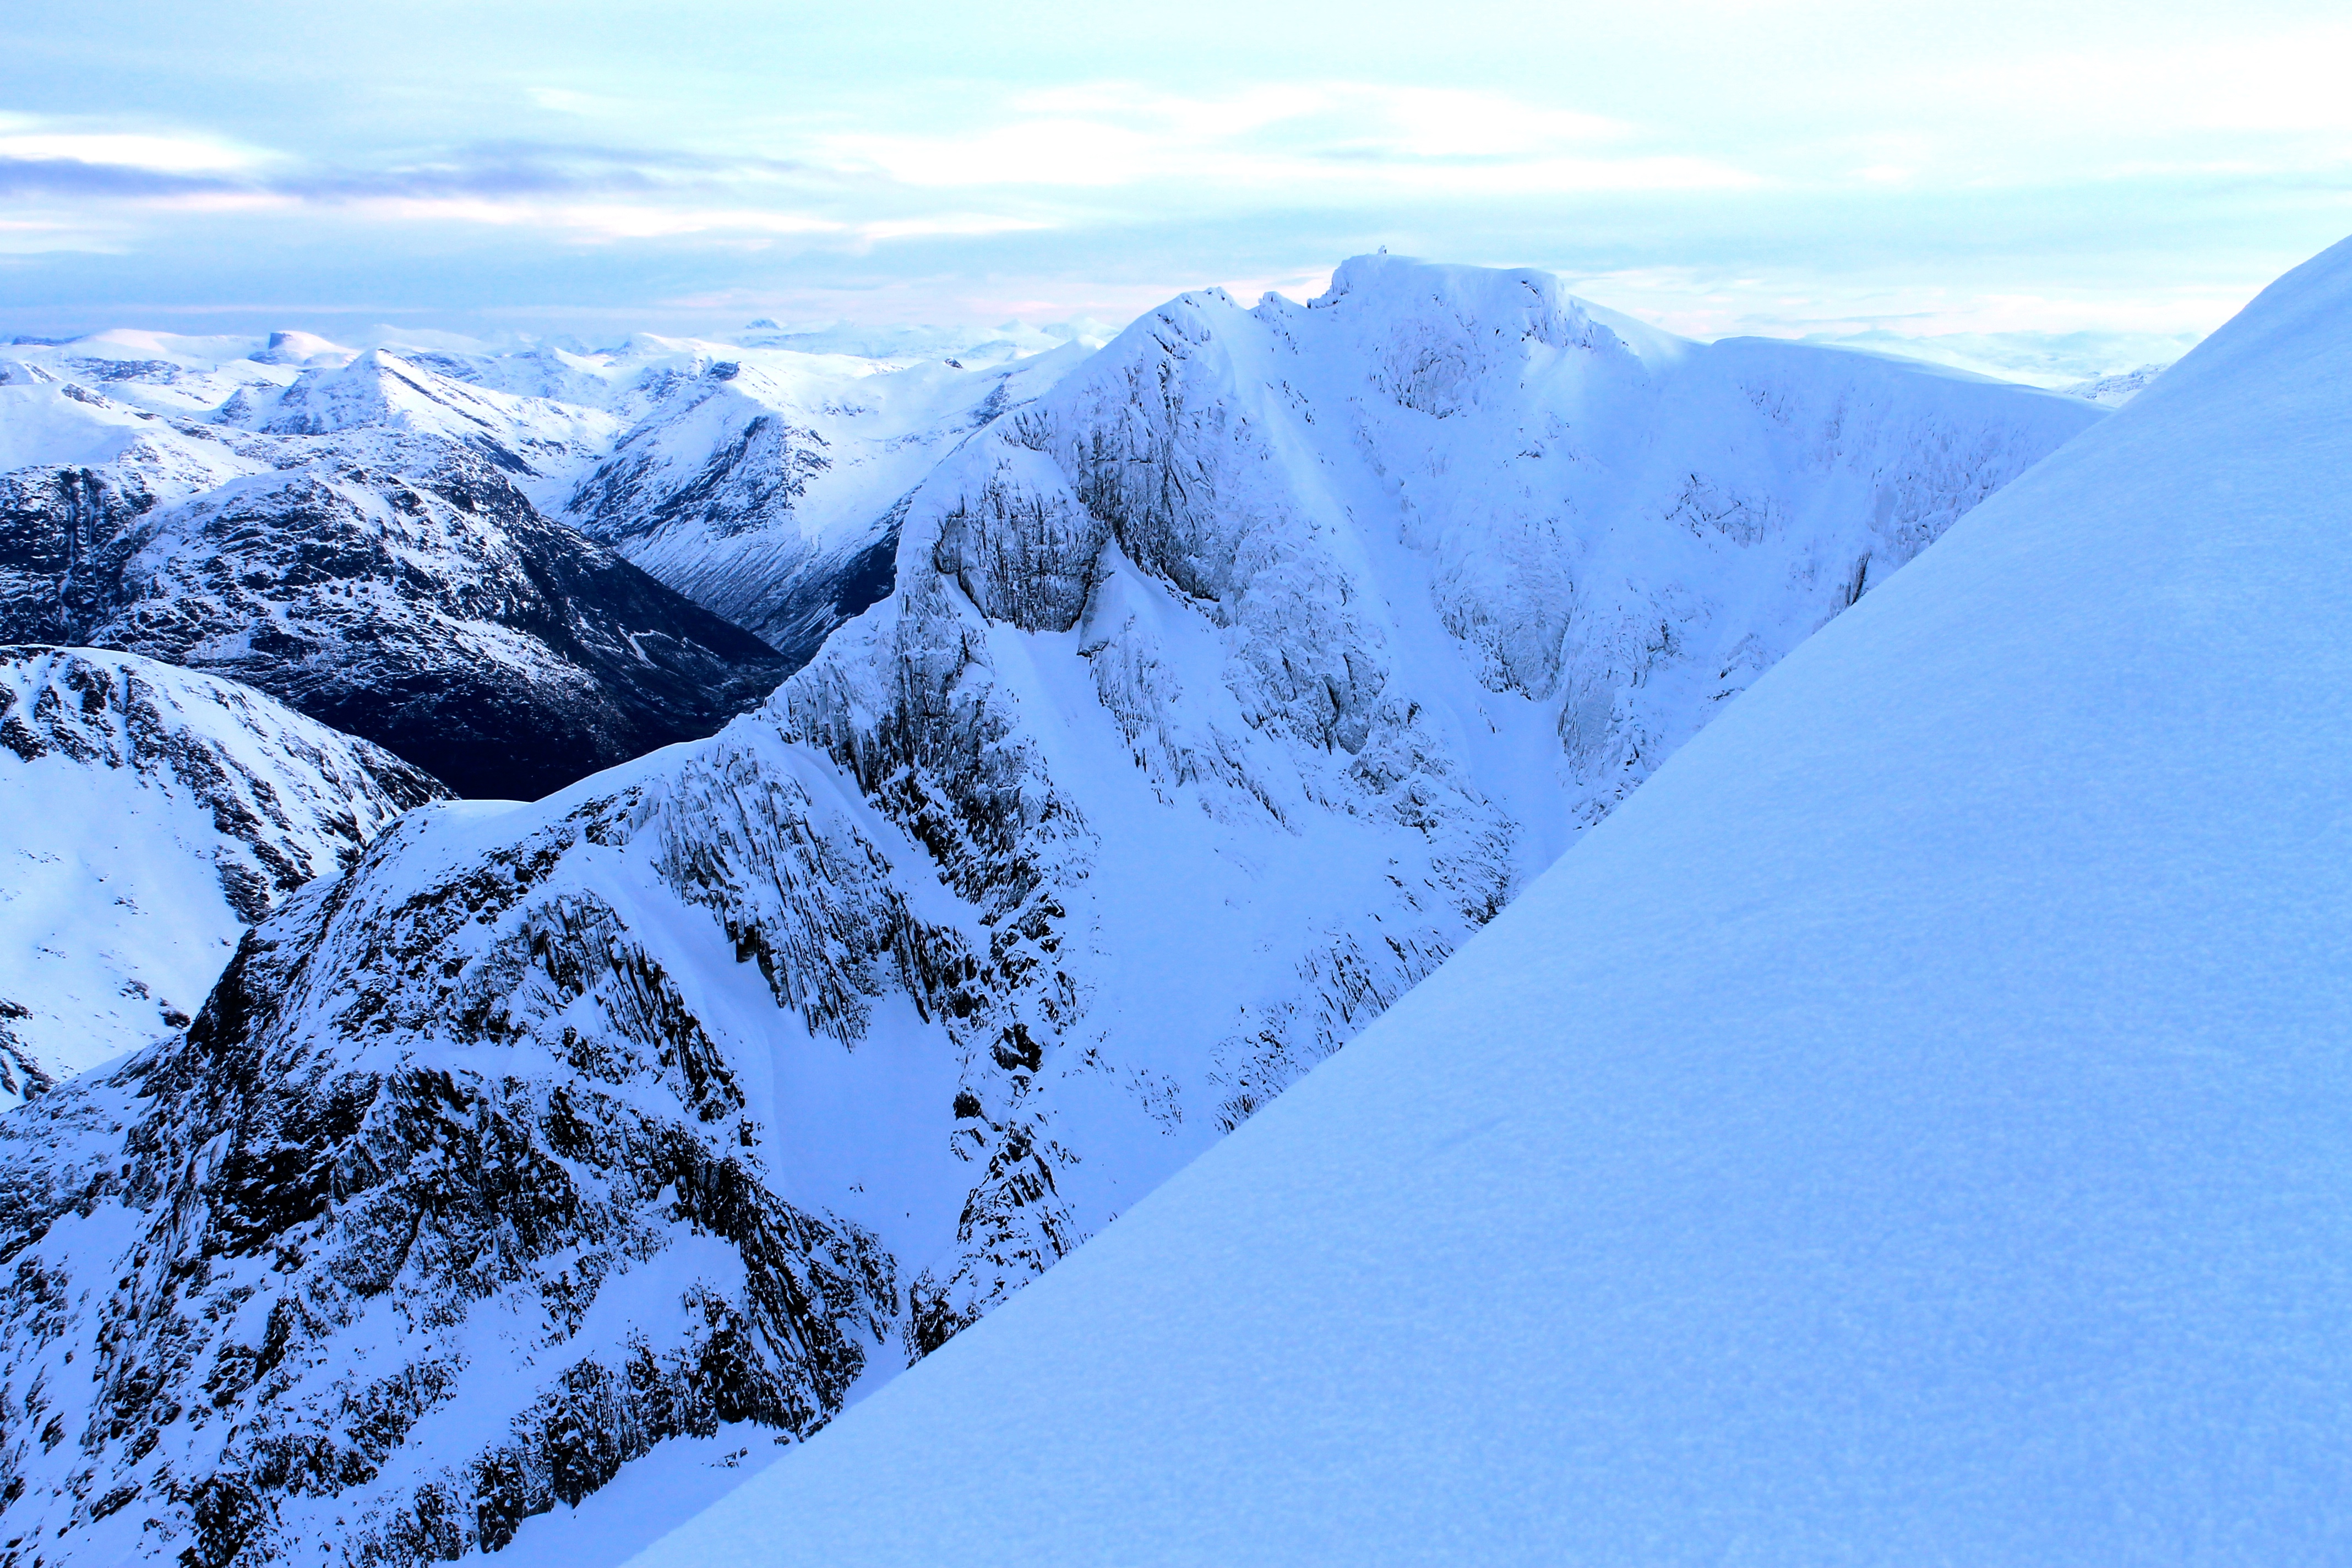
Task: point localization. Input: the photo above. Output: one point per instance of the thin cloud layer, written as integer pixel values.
(1815, 166)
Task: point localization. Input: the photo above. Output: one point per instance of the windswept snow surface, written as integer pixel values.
(1913, 1129)
(148, 815)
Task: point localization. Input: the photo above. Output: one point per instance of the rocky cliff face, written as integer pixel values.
(366, 551)
(1226, 683)
(148, 815)
(770, 487)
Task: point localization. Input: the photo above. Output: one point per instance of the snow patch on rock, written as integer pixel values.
(148, 815)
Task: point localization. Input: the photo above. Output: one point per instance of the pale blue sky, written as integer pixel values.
(1717, 167)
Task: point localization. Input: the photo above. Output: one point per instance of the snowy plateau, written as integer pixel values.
(1164, 711)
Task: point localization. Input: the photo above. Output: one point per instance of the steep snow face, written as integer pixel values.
(1910, 1130)
(1229, 680)
(370, 558)
(1620, 528)
(148, 815)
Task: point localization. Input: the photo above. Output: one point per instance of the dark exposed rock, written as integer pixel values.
(423, 605)
(288, 1181)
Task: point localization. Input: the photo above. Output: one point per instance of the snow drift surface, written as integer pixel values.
(1914, 1129)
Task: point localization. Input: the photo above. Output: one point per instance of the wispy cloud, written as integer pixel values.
(73, 178)
(1720, 165)
(588, 192)
(23, 138)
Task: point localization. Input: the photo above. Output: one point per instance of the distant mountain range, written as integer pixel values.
(359, 543)
(2061, 362)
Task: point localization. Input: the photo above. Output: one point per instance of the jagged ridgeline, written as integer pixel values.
(1227, 683)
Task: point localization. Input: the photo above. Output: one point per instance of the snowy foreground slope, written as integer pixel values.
(148, 815)
(1225, 685)
(1911, 1130)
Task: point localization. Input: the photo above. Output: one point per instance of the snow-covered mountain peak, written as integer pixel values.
(56, 432)
(379, 390)
(1909, 1129)
(132, 347)
(1404, 287)
(767, 483)
(1186, 702)
(1471, 319)
(305, 349)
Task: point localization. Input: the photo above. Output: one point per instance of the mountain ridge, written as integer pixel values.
(1277, 644)
(1905, 1130)
(378, 568)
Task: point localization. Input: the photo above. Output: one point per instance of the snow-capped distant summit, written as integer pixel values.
(379, 390)
(1222, 681)
(303, 349)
